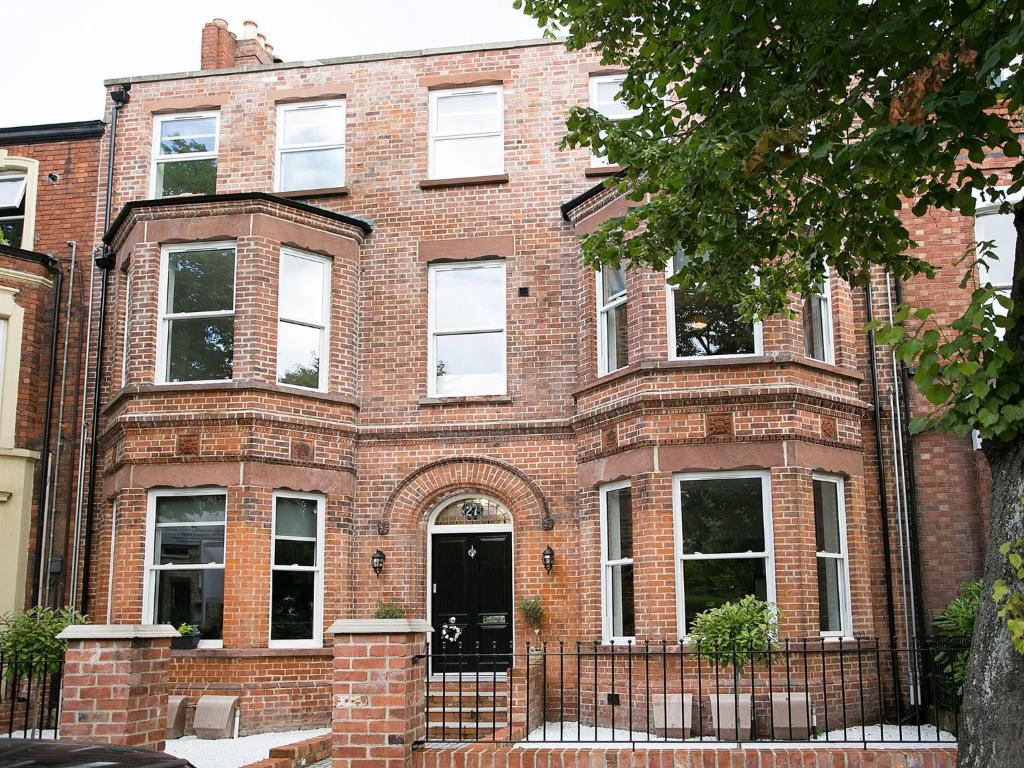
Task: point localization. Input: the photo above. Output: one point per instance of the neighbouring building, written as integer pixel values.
(48, 181)
(352, 356)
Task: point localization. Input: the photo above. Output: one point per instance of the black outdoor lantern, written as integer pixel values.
(548, 559)
(377, 562)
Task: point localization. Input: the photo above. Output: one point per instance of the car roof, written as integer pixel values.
(44, 753)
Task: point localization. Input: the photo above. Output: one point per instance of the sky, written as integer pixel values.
(56, 53)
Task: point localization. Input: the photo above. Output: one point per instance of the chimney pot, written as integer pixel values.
(249, 29)
(220, 23)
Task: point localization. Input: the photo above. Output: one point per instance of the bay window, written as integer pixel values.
(185, 154)
(817, 318)
(197, 308)
(700, 326)
(296, 610)
(303, 311)
(830, 540)
(466, 308)
(310, 145)
(723, 533)
(617, 593)
(612, 320)
(185, 561)
(467, 132)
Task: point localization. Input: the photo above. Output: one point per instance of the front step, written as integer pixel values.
(474, 709)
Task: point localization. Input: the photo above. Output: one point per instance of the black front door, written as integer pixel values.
(471, 591)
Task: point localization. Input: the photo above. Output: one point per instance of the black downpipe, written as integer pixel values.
(105, 261)
(890, 605)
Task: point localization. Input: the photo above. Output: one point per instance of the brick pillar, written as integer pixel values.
(114, 687)
(378, 707)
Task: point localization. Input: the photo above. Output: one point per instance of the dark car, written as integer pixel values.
(22, 753)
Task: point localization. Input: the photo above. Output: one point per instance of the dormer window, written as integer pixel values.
(185, 154)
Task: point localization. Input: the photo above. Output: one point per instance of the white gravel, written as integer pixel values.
(234, 753)
(888, 735)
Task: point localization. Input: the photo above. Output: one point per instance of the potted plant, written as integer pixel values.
(532, 611)
(732, 635)
(189, 639)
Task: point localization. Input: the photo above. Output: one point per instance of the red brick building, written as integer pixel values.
(352, 356)
(48, 178)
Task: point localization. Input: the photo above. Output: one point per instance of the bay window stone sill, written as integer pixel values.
(311, 193)
(249, 653)
(426, 402)
(464, 181)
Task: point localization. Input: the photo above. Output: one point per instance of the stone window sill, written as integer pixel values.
(598, 171)
(250, 652)
(311, 193)
(427, 402)
(464, 181)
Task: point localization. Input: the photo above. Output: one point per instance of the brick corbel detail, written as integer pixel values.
(378, 691)
(114, 687)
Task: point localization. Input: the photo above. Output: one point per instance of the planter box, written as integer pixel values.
(671, 715)
(730, 716)
(792, 716)
(186, 643)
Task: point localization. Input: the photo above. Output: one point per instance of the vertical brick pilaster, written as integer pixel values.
(378, 707)
(114, 687)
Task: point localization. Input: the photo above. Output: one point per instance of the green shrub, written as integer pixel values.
(735, 633)
(389, 610)
(31, 636)
(188, 630)
(532, 611)
(957, 620)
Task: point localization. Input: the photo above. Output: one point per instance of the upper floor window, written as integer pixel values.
(817, 316)
(617, 561)
(699, 326)
(296, 567)
(467, 329)
(612, 325)
(310, 145)
(185, 561)
(197, 313)
(467, 132)
(605, 98)
(992, 226)
(830, 538)
(303, 311)
(723, 540)
(185, 154)
(13, 185)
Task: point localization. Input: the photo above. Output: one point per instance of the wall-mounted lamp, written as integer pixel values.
(377, 562)
(548, 558)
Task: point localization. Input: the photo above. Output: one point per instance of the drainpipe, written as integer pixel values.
(105, 262)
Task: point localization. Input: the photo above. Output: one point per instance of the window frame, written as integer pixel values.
(156, 158)
(603, 309)
(597, 161)
(846, 609)
(327, 265)
(670, 311)
(28, 169)
(124, 331)
(317, 640)
(607, 565)
(432, 333)
(824, 295)
(280, 149)
(433, 138)
(989, 208)
(163, 318)
(768, 555)
(151, 569)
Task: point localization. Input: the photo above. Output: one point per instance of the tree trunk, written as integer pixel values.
(992, 729)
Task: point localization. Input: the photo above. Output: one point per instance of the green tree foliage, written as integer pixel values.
(30, 637)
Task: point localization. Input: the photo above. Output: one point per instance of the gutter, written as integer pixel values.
(51, 132)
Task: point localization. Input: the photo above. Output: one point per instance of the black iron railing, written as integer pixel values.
(820, 690)
(30, 696)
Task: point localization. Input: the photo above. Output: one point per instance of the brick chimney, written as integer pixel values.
(222, 48)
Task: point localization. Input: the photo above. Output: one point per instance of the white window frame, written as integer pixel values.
(325, 330)
(596, 161)
(987, 207)
(282, 149)
(163, 321)
(29, 169)
(607, 566)
(127, 320)
(768, 555)
(433, 136)
(432, 333)
(157, 159)
(824, 295)
(151, 569)
(846, 610)
(670, 310)
(602, 329)
(317, 640)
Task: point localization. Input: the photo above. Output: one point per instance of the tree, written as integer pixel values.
(777, 136)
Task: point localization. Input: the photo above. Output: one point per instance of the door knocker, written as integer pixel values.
(472, 551)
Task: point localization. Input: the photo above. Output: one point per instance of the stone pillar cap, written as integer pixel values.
(117, 632)
(379, 626)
